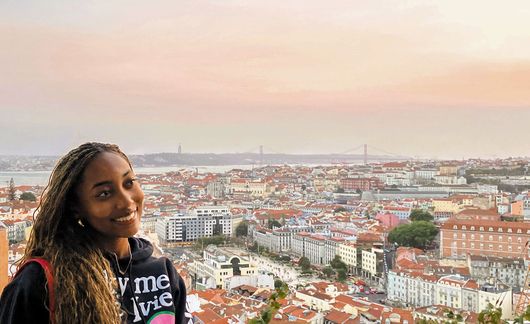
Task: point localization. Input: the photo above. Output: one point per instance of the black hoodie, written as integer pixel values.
(150, 290)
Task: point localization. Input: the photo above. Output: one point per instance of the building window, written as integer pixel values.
(500, 230)
(455, 227)
(481, 229)
(464, 227)
(491, 238)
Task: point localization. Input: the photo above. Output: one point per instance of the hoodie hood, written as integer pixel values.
(141, 249)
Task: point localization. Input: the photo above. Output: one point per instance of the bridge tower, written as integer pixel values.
(365, 154)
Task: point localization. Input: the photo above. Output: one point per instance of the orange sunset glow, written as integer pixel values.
(419, 78)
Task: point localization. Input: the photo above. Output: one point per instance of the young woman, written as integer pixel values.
(84, 228)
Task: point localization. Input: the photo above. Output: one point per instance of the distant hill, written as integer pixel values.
(198, 159)
(46, 163)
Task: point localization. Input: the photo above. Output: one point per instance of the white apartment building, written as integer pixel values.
(449, 291)
(510, 271)
(331, 248)
(310, 246)
(400, 211)
(372, 261)
(202, 222)
(412, 288)
(277, 241)
(420, 290)
(450, 180)
(425, 174)
(215, 189)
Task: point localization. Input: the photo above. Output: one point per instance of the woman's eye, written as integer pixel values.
(129, 183)
(103, 194)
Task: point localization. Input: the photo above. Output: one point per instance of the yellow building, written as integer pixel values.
(348, 254)
(446, 205)
(220, 264)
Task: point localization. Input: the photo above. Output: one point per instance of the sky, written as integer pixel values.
(426, 79)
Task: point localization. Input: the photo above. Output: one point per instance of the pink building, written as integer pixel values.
(388, 220)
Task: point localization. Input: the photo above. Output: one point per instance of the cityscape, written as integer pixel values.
(375, 242)
(322, 162)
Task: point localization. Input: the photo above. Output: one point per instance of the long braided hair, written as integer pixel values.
(85, 291)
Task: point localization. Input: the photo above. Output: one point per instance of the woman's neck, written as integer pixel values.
(119, 246)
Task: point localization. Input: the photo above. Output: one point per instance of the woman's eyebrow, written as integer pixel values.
(102, 183)
(107, 182)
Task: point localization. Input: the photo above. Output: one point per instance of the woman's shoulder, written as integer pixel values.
(24, 299)
(29, 275)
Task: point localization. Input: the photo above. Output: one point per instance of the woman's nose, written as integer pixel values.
(125, 200)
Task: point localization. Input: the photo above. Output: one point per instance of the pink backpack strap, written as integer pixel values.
(49, 282)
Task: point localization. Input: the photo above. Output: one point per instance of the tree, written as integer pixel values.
(273, 305)
(524, 316)
(12, 190)
(341, 275)
(490, 315)
(339, 210)
(254, 247)
(274, 223)
(278, 283)
(328, 272)
(203, 242)
(418, 234)
(28, 196)
(452, 318)
(242, 229)
(284, 258)
(420, 215)
(305, 264)
(337, 263)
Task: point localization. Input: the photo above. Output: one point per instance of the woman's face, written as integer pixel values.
(110, 198)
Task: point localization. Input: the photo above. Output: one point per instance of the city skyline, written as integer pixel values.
(435, 79)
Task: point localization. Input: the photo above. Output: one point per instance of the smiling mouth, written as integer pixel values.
(127, 218)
